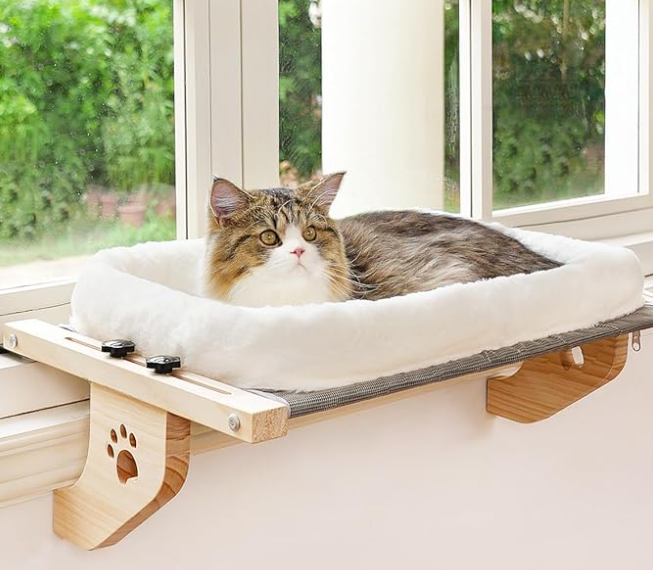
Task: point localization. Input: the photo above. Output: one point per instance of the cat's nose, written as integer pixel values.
(298, 252)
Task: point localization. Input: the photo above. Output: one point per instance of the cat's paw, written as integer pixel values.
(120, 448)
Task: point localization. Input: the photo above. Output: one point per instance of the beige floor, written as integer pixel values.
(40, 271)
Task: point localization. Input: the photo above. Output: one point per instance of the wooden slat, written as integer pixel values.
(209, 403)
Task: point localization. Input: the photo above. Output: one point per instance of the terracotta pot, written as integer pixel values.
(108, 202)
(132, 214)
(140, 197)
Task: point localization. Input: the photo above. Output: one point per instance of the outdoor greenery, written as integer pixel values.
(548, 90)
(83, 238)
(549, 79)
(86, 102)
(300, 83)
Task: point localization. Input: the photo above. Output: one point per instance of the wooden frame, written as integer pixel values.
(141, 422)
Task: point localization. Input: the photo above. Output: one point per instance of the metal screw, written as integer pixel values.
(234, 422)
(12, 341)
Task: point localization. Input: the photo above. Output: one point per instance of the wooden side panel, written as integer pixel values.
(550, 383)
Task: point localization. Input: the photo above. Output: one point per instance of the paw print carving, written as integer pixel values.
(121, 450)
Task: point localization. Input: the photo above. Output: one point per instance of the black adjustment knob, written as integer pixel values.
(118, 348)
(163, 364)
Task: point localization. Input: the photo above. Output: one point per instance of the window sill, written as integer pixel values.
(28, 386)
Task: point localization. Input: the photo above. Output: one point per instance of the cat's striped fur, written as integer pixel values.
(369, 256)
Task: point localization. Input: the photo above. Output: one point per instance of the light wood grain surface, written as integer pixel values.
(550, 383)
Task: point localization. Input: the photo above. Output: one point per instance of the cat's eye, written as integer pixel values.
(269, 237)
(309, 233)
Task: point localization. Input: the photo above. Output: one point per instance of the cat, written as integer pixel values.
(280, 247)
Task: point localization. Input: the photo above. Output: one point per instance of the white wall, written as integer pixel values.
(430, 482)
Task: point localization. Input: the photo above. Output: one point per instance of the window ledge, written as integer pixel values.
(42, 451)
(28, 386)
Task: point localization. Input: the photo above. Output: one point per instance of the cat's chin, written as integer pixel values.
(299, 286)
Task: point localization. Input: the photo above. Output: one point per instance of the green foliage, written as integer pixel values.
(548, 90)
(139, 130)
(85, 98)
(85, 237)
(549, 77)
(300, 84)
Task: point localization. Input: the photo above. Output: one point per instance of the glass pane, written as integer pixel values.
(549, 100)
(86, 132)
(301, 90)
(451, 107)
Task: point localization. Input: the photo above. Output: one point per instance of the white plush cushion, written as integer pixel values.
(150, 294)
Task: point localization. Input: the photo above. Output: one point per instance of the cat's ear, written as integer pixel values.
(324, 192)
(227, 199)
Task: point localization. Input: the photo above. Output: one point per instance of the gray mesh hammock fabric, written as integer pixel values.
(302, 403)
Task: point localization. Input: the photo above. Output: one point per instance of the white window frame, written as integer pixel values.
(603, 216)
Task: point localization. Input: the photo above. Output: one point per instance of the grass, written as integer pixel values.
(84, 238)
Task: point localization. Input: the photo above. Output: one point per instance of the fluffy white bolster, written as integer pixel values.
(150, 294)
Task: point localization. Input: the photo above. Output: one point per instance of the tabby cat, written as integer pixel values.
(280, 247)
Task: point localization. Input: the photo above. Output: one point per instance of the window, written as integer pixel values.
(527, 112)
(382, 106)
(87, 157)
(430, 105)
(549, 80)
(572, 65)
(568, 138)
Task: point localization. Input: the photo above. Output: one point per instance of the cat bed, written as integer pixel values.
(151, 294)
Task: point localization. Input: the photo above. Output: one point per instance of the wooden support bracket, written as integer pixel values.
(137, 461)
(140, 424)
(545, 385)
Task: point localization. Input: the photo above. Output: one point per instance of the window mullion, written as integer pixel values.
(193, 124)
(645, 115)
(464, 15)
(481, 108)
